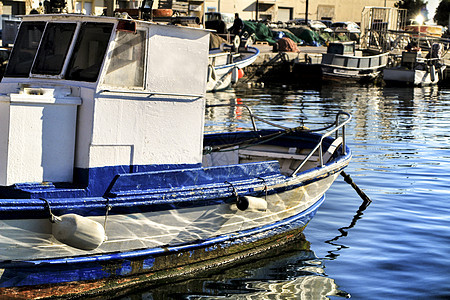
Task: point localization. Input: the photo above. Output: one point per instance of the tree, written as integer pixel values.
(442, 13)
(414, 7)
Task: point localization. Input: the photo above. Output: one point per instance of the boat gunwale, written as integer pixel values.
(241, 63)
(379, 66)
(141, 203)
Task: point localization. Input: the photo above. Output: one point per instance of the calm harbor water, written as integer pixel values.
(396, 248)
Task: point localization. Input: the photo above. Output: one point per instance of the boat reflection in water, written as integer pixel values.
(289, 271)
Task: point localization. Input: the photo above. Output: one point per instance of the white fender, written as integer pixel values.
(249, 203)
(432, 73)
(234, 75)
(78, 231)
(211, 73)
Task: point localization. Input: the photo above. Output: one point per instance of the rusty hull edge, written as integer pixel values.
(109, 288)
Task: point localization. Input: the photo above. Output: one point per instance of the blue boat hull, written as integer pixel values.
(90, 275)
(162, 224)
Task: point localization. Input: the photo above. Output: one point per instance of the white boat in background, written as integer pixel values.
(343, 62)
(415, 70)
(225, 66)
(107, 180)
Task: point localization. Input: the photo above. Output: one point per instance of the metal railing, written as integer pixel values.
(319, 147)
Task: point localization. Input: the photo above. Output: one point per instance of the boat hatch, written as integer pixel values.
(44, 49)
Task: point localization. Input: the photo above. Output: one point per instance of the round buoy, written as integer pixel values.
(240, 73)
(78, 231)
(162, 12)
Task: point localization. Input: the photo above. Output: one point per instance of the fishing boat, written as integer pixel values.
(416, 70)
(107, 179)
(227, 61)
(343, 63)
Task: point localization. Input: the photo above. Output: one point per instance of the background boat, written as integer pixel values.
(416, 70)
(343, 62)
(226, 62)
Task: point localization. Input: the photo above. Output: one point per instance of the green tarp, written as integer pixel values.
(299, 34)
(261, 31)
(310, 36)
(266, 34)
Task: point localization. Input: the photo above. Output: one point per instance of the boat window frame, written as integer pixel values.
(105, 55)
(108, 58)
(14, 51)
(68, 53)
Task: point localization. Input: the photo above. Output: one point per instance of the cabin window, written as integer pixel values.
(25, 48)
(126, 68)
(89, 52)
(53, 50)
(349, 48)
(335, 49)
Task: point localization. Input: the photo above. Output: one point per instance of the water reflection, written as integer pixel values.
(291, 271)
(344, 231)
(399, 138)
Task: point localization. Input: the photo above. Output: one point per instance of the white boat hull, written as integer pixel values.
(222, 74)
(412, 77)
(32, 239)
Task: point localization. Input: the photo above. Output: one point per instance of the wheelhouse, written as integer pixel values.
(97, 94)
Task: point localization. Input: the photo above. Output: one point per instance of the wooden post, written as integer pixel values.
(257, 10)
(306, 12)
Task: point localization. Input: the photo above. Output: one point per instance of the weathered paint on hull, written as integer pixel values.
(121, 275)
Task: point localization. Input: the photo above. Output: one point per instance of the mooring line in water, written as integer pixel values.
(332, 254)
(349, 180)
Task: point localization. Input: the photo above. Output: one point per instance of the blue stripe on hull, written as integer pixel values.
(159, 199)
(75, 269)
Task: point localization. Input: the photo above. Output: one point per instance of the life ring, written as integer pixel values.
(162, 12)
(236, 42)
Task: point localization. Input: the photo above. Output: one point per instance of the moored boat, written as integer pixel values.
(343, 63)
(107, 180)
(416, 70)
(226, 64)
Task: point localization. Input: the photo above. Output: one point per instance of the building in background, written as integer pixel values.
(272, 10)
(284, 10)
